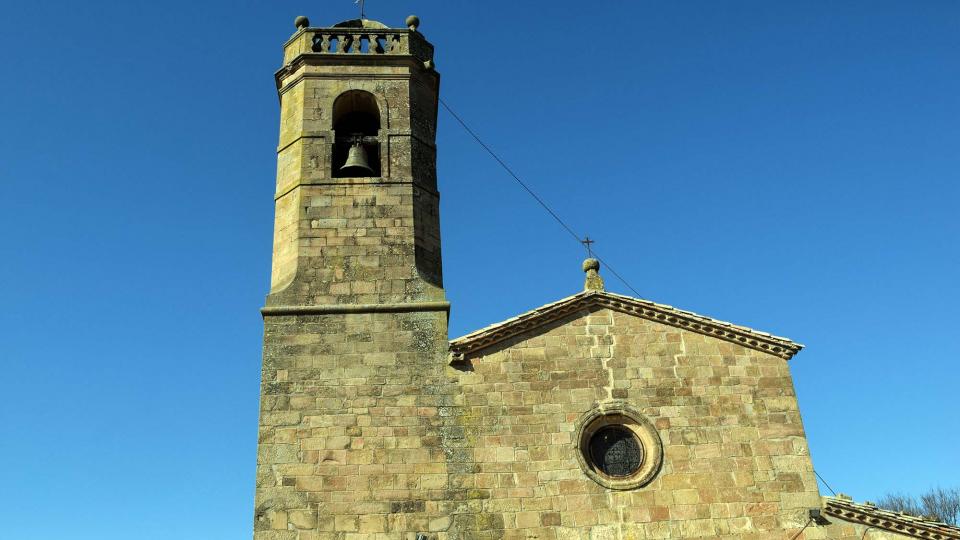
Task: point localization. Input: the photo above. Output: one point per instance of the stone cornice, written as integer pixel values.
(330, 133)
(905, 524)
(664, 314)
(405, 307)
(284, 84)
(354, 182)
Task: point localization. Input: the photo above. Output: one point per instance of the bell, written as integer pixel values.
(356, 163)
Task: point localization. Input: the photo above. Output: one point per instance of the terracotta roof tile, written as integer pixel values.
(873, 516)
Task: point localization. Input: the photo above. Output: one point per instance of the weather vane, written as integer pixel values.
(586, 243)
(360, 3)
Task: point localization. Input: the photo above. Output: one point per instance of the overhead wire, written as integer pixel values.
(572, 233)
(809, 521)
(532, 193)
(825, 482)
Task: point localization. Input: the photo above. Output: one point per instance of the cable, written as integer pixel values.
(825, 482)
(809, 521)
(531, 192)
(509, 170)
(614, 272)
(577, 238)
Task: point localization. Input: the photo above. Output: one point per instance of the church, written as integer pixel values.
(595, 417)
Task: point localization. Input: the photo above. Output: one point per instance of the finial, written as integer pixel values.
(301, 22)
(593, 282)
(586, 243)
(413, 22)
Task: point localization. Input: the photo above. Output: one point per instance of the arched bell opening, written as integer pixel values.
(356, 126)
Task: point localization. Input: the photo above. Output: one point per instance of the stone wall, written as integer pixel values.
(356, 244)
(357, 240)
(367, 433)
(355, 376)
(351, 428)
(736, 463)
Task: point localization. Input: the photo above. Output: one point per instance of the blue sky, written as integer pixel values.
(786, 166)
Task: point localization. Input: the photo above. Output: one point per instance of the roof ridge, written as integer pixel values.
(662, 313)
(520, 316)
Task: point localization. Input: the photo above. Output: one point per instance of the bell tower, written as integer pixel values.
(356, 199)
(355, 324)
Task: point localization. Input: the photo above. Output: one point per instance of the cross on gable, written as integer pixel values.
(586, 243)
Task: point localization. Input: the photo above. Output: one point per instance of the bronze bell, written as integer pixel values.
(357, 160)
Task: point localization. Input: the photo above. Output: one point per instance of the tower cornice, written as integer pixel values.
(294, 69)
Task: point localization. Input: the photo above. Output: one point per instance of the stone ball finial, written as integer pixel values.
(413, 22)
(593, 281)
(301, 22)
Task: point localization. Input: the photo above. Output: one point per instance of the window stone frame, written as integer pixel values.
(623, 415)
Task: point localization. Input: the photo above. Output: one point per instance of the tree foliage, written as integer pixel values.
(937, 503)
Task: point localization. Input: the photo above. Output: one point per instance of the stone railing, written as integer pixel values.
(325, 41)
(358, 41)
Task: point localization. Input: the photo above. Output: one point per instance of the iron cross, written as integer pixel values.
(586, 243)
(360, 3)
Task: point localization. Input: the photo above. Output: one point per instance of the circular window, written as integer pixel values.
(616, 451)
(618, 447)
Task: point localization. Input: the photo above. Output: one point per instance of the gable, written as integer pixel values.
(722, 425)
(598, 299)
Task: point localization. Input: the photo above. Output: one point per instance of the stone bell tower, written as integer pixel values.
(356, 199)
(356, 320)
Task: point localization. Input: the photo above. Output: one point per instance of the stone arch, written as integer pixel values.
(356, 109)
(356, 121)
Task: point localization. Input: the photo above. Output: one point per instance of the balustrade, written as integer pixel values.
(359, 41)
(335, 41)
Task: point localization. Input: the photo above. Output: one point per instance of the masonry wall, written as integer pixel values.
(357, 240)
(736, 461)
(355, 386)
(367, 433)
(357, 244)
(350, 427)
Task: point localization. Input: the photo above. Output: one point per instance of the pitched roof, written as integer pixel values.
(897, 522)
(664, 314)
